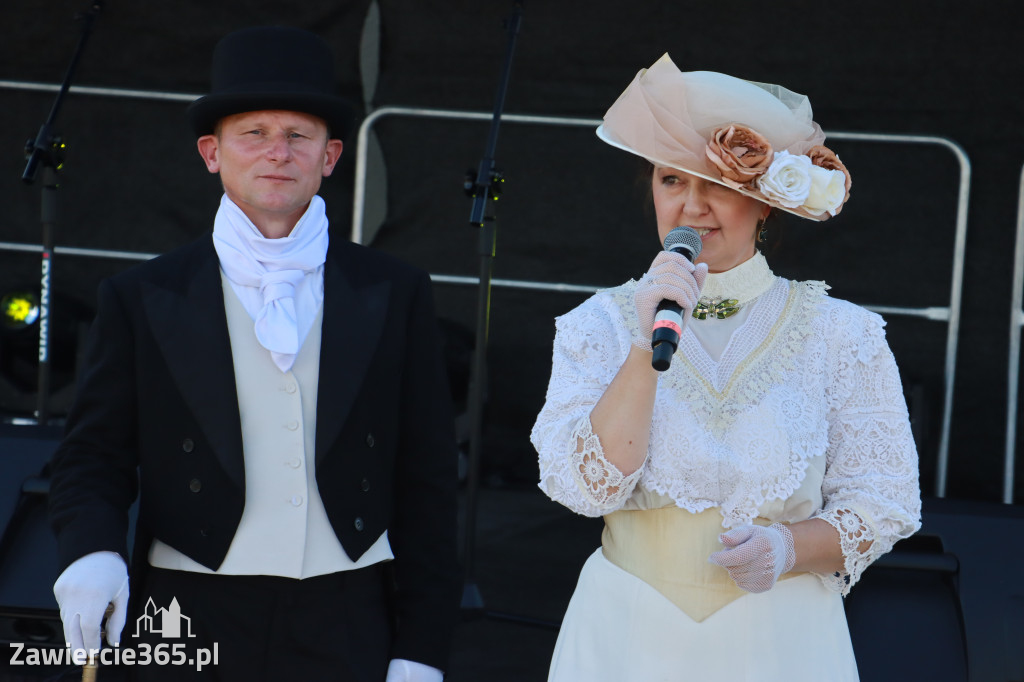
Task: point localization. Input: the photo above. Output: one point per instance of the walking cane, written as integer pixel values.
(89, 669)
(92, 665)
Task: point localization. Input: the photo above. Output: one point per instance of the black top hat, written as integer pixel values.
(271, 67)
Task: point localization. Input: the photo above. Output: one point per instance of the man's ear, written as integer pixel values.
(209, 145)
(332, 154)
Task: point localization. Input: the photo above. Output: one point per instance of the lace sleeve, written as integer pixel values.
(588, 351)
(870, 490)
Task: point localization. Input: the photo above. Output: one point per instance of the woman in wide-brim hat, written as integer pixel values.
(747, 487)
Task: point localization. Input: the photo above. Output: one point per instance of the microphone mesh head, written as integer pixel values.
(684, 237)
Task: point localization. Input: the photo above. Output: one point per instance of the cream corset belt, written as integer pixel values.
(668, 548)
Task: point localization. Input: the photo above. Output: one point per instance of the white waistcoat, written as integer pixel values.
(284, 529)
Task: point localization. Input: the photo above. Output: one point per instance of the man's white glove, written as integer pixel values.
(673, 277)
(756, 556)
(401, 670)
(83, 591)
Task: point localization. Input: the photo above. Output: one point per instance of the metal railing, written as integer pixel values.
(1013, 366)
(76, 251)
(949, 314)
(117, 93)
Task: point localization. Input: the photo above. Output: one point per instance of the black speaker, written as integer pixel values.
(28, 550)
(946, 605)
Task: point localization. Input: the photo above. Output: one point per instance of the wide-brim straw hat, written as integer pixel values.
(271, 67)
(757, 138)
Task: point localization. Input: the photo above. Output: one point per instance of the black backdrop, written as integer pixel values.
(571, 211)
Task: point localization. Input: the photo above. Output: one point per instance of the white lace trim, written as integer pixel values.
(745, 282)
(599, 479)
(853, 532)
(805, 376)
(716, 395)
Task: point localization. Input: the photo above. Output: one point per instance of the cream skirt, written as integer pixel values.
(619, 629)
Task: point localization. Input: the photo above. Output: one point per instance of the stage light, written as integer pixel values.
(19, 309)
(20, 315)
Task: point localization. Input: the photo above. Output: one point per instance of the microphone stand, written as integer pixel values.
(485, 187)
(47, 150)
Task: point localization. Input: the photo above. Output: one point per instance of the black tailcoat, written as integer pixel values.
(157, 413)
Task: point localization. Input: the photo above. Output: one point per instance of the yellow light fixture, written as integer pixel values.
(19, 309)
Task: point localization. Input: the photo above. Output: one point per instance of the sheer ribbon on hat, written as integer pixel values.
(276, 268)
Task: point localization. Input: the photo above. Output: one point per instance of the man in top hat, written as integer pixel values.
(276, 398)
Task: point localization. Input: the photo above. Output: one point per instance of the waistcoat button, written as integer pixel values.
(358, 523)
(195, 485)
(188, 445)
(369, 440)
(365, 485)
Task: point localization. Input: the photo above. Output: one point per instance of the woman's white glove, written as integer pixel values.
(756, 556)
(671, 276)
(83, 591)
(401, 670)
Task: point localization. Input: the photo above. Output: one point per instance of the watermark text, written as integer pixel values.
(164, 653)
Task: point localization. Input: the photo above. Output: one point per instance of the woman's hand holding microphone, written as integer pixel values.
(671, 277)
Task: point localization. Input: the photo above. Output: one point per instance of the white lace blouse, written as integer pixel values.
(790, 409)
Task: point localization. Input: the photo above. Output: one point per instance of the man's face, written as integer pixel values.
(271, 164)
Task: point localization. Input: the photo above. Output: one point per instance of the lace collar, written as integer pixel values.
(745, 282)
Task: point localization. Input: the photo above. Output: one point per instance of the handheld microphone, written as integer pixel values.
(669, 320)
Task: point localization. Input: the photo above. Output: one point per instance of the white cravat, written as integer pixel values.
(279, 281)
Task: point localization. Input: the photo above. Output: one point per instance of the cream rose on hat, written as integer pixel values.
(788, 180)
(757, 138)
(828, 191)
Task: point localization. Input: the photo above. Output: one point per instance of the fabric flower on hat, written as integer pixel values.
(787, 180)
(824, 157)
(741, 154)
(828, 191)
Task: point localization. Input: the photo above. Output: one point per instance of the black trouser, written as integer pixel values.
(332, 627)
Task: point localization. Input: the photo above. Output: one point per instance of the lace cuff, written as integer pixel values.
(601, 482)
(853, 532)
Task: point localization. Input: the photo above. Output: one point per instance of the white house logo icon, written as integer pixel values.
(164, 622)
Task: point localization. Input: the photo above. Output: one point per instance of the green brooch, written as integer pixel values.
(715, 307)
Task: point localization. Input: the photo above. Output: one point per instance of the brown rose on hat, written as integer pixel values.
(757, 138)
(271, 67)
